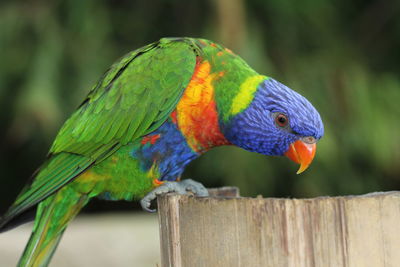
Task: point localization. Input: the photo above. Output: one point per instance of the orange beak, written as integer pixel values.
(301, 153)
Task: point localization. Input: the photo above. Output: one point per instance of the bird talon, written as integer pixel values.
(146, 205)
(182, 187)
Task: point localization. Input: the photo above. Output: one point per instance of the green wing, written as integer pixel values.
(133, 98)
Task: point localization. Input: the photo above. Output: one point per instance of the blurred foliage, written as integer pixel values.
(342, 55)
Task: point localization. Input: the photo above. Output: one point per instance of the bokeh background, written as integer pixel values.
(342, 55)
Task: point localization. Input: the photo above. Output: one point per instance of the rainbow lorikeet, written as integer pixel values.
(150, 114)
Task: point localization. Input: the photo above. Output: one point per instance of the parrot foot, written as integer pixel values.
(182, 187)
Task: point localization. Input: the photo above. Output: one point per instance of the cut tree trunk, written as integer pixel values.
(227, 230)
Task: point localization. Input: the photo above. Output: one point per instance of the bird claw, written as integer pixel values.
(182, 188)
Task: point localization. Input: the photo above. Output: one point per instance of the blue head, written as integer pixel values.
(278, 121)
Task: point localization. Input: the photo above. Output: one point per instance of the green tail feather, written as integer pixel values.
(58, 171)
(51, 220)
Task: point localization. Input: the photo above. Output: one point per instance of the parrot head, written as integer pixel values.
(278, 121)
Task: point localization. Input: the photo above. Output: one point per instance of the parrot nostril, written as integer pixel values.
(309, 139)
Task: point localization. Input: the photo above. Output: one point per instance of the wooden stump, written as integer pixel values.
(226, 230)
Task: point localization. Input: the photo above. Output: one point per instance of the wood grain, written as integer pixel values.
(326, 231)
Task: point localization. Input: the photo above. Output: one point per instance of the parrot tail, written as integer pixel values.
(52, 217)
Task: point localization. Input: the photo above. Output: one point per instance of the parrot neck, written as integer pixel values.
(196, 115)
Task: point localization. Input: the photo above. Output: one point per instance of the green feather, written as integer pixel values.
(128, 102)
(53, 174)
(52, 217)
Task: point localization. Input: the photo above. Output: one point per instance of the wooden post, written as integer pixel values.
(325, 231)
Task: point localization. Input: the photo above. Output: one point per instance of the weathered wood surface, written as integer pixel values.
(326, 231)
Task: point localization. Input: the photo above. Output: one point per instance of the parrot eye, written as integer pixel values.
(281, 120)
(309, 139)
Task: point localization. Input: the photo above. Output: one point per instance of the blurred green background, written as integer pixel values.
(342, 55)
